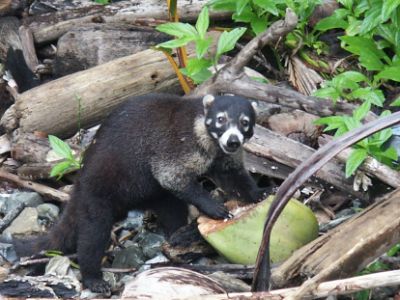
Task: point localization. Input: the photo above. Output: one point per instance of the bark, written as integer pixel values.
(357, 242)
(85, 97)
(105, 41)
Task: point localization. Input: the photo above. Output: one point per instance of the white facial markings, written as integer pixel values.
(214, 135)
(245, 120)
(221, 115)
(208, 121)
(223, 140)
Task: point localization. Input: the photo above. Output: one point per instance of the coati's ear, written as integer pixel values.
(207, 102)
(255, 106)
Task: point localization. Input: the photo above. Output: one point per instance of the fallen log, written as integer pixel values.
(85, 97)
(266, 143)
(356, 243)
(51, 26)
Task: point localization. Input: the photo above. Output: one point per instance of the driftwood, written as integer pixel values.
(51, 26)
(90, 94)
(269, 144)
(105, 41)
(356, 243)
(371, 166)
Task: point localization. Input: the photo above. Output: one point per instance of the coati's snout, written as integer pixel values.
(229, 120)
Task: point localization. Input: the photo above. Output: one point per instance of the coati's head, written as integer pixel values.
(229, 120)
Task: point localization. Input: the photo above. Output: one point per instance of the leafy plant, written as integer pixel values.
(104, 2)
(198, 68)
(70, 163)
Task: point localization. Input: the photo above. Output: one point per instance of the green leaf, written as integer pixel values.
(336, 20)
(198, 77)
(370, 55)
(354, 26)
(394, 250)
(104, 2)
(346, 3)
(353, 76)
(258, 25)
(195, 65)
(267, 5)
(228, 40)
(246, 16)
(371, 20)
(355, 159)
(327, 93)
(180, 30)
(395, 102)
(376, 96)
(60, 147)
(391, 73)
(60, 169)
(240, 5)
(203, 22)
(228, 5)
(202, 46)
(351, 123)
(388, 6)
(379, 138)
(175, 43)
(362, 111)
(332, 122)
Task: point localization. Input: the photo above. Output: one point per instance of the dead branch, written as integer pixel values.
(371, 166)
(28, 48)
(41, 189)
(10, 216)
(298, 177)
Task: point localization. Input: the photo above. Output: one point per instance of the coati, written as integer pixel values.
(148, 154)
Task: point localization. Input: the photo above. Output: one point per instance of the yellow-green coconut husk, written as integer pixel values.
(238, 239)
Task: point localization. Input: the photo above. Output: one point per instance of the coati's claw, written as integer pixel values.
(97, 285)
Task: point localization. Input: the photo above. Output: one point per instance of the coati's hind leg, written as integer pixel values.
(95, 224)
(172, 213)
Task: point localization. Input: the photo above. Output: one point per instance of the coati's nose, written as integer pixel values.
(233, 142)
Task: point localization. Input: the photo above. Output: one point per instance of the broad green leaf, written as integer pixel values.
(355, 159)
(228, 40)
(395, 102)
(353, 76)
(59, 169)
(240, 5)
(258, 25)
(346, 3)
(376, 97)
(195, 65)
(202, 46)
(175, 43)
(370, 55)
(60, 147)
(203, 22)
(371, 20)
(386, 156)
(354, 26)
(180, 30)
(394, 250)
(327, 93)
(332, 122)
(228, 5)
(388, 6)
(362, 111)
(267, 5)
(388, 32)
(351, 123)
(361, 7)
(198, 77)
(379, 138)
(246, 16)
(336, 20)
(391, 73)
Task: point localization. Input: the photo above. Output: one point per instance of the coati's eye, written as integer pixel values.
(245, 122)
(221, 119)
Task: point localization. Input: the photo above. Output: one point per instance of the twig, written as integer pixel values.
(10, 216)
(40, 188)
(295, 180)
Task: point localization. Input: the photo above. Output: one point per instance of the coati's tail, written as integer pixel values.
(61, 237)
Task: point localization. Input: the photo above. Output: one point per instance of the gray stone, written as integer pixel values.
(134, 219)
(151, 243)
(131, 257)
(26, 223)
(7, 251)
(158, 259)
(30, 199)
(48, 211)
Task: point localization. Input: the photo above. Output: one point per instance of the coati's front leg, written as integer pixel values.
(229, 174)
(183, 184)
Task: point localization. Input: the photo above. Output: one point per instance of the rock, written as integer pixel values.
(30, 199)
(111, 278)
(134, 220)
(160, 258)
(26, 223)
(7, 252)
(48, 211)
(131, 257)
(151, 243)
(230, 283)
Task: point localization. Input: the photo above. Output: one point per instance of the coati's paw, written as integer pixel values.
(97, 285)
(217, 211)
